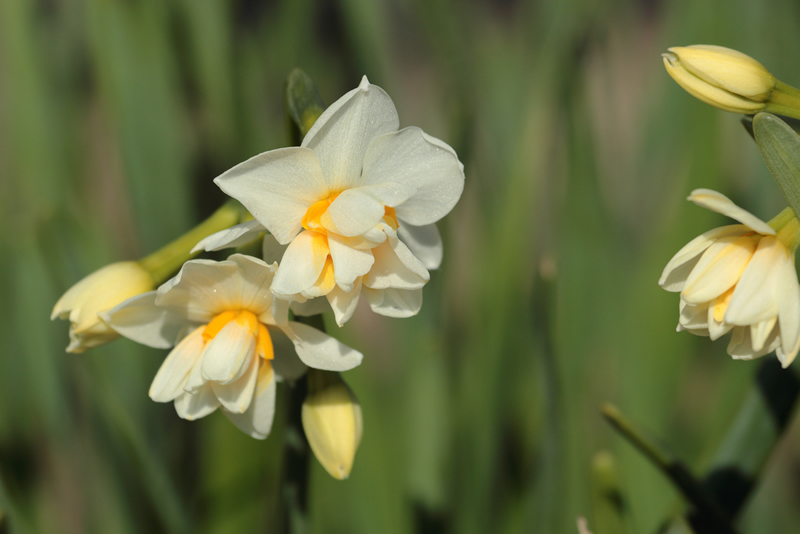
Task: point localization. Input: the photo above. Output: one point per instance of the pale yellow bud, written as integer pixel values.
(332, 422)
(721, 77)
(99, 292)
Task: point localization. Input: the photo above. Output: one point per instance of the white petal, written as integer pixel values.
(272, 251)
(201, 290)
(788, 312)
(236, 396)
(394, 302)
(414, 158)
(759, 332)
(235, 236)
(194, 406)
(344, 303)
(257, 420)
(173, 374)
(677, 270)
(277, 314)
(195, 381)
(719, 269)
(348, 263)
(755, 298)
(357, 210)
(287, 364)
(302, 264)
(721, 204)
(229, 354)
(277, 187)
(741, 345)
(395, 267)
(310, 307)
(321, 351)
(255, 280)
(693, 317)
(786, 357)
(424, 242)
(139, 319)
(343, 132)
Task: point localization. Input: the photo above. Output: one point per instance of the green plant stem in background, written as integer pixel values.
(293, 490)
(707, 511)
(164, 262)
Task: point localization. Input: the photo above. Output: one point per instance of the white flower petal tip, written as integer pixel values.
(719, 203)
(739, 279)
(357, 188)
(332, 422)
(97, 294)
(235, 236)
(320, 351)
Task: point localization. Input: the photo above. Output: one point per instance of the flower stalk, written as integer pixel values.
(303, 106)
(164, 262)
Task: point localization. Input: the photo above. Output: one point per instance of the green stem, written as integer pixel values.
(784, 100)
(169, 258)
(709, 514)
(293, 494)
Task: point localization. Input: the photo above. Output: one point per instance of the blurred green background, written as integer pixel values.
(481, 414)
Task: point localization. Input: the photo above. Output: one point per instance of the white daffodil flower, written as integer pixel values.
(356, 204)
(95, 294)
(741, 279)
(228, 327)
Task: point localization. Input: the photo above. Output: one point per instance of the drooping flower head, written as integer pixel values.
(356, 204)
(741, 279)
(225, 322)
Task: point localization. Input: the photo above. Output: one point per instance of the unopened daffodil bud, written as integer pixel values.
(332, 422)
(722, 77)
(730, 80)
(99, 292)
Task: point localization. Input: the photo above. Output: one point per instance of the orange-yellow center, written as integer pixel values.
(248, 320)
(311, 220)
(390, 216)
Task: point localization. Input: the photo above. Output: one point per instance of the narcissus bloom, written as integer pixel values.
(356, 204)
(97, 293)
(226, 324)
(740, 278)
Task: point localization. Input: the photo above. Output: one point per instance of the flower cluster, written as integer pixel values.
(741, 279)
(351, 211)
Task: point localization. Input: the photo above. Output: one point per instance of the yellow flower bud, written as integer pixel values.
(332, 422)
(721, 77)
(97, 293)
